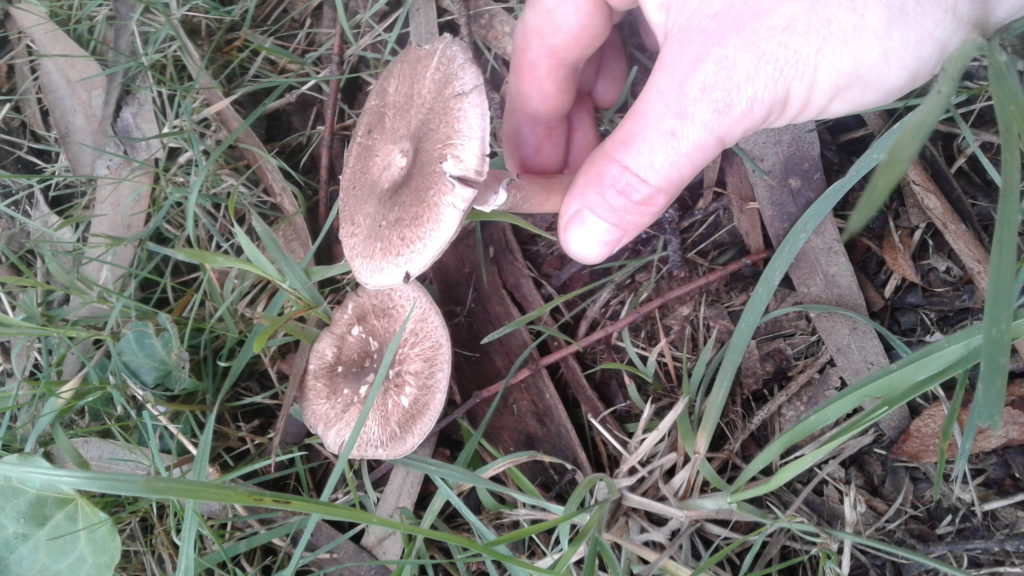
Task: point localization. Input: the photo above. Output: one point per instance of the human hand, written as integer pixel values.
(725, 69)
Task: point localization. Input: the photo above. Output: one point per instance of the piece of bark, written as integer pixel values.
(743, 202)
(516, 277)
(530, 416)
(791, 181)
(919, 183)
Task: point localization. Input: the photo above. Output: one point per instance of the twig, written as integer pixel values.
(624, 322)
(1014, 543)
(330, 119)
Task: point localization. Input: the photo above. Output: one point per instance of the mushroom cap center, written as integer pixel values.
(397, 165)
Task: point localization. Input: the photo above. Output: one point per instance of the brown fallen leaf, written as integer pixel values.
(920, 443)
(72, 84)
(118, 152)
(897, 250)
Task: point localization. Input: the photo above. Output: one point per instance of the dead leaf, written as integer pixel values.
(114, 457)
(72, 84)
(122, 193)
(897, 250)
(75, 89)
(920, 443)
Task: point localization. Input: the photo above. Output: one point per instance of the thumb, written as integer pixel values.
(676, 126)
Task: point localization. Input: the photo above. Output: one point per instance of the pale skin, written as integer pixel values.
(725, 69)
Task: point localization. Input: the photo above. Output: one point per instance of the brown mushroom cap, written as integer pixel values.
(418, 150)
(346, 357)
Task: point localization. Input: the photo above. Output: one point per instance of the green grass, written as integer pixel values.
(184, 358)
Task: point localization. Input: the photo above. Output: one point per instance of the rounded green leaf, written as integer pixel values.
(47, 528)
(153, 358)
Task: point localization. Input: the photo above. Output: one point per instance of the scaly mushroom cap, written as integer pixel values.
(419, 148)
(346, 357)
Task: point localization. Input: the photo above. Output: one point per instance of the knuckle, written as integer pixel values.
(628, 192)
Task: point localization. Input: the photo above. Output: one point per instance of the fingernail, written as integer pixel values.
(589, 239)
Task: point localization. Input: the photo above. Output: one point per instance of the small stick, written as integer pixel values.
(330, 119)
(684, 290)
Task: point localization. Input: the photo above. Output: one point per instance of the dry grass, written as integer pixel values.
(185, 362)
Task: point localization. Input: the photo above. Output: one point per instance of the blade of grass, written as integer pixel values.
(900, 382)
(481, 216)
(987, 406)
(192, 490)
(920, 124)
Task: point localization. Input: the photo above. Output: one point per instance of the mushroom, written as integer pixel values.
(418, 161)
(346, 357)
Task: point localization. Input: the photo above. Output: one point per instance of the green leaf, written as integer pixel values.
(46, 528)
(155, 360)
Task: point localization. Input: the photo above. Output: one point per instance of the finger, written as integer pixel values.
(678, 124)
(553, 40)
(612, 72)
(581, 133)
(601, 81)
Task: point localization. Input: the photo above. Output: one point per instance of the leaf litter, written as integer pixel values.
(662, 517)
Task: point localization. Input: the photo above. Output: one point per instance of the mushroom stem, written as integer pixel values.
(522, 193)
